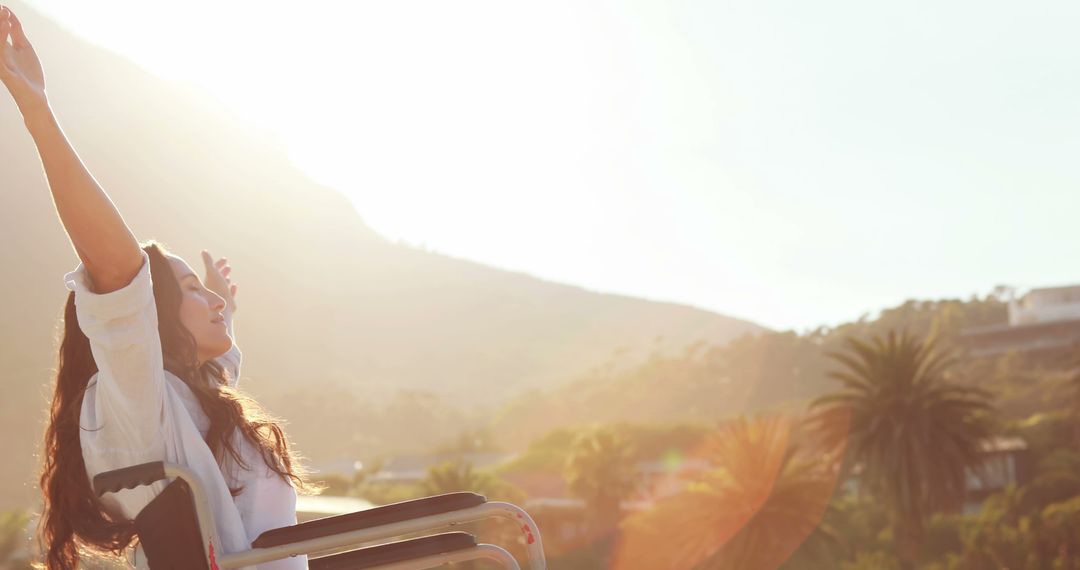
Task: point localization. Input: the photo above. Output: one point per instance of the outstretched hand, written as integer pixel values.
(20, 69)
(217, 279)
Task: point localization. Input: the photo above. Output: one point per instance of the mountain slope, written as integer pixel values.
(323, 299)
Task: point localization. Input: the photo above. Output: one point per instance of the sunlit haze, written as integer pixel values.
(792, 163)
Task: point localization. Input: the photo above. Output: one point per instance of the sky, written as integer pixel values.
(793, 163)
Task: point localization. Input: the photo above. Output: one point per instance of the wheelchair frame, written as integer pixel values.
(352, 529)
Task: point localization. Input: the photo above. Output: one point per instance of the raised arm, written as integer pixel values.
(101, 239)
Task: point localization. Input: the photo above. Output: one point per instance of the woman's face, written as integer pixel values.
(201, 312)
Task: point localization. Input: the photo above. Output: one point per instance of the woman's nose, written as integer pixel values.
(219, 303)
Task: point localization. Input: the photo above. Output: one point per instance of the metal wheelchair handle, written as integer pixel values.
(129, 477)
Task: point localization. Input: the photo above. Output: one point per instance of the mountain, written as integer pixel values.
(772, 371)
(325, 303)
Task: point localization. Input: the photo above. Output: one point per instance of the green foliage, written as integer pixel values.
(661, 439)
(753, 508)
(770, 371)
(1047, 539)
(860, 525)
(1023, 385)
(1060, 461)
(873, 560)
(545, 454)
(760, 473)
(1020, 527)
(652, 441)
(454, 476)
(13, 533)
(942, 536)
(458, 476)
(914, 431)
(1044, 431)
(600, 470)
(387, 493)
(1048, 488)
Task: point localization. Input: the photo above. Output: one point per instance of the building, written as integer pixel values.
(1043, 323)
(414, 468)
(1051, 304)
(1006, 461)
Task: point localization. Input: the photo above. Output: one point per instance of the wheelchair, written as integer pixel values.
(176, 530)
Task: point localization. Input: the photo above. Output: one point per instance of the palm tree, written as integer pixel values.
(455, 476)
(753, 509)
(600, 470)
(912, 429)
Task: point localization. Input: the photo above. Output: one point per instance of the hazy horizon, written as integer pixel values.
(790, 164)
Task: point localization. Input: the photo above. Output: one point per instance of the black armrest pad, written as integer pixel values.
(395, 552)
(387, 514)
(129, 477)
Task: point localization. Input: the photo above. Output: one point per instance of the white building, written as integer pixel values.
(1050, 304)
(1044, 323)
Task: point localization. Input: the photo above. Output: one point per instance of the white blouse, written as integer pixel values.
(135, 411)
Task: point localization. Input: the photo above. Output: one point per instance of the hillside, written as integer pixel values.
(326, 305)
(707, 382)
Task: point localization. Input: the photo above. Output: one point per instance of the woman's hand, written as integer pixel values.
(217, 280)
(20, 69)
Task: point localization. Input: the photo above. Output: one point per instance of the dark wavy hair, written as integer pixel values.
(73, 521)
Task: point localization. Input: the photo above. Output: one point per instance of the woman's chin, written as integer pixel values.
(225, 345)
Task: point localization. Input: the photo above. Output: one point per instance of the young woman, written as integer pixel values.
(147, 367)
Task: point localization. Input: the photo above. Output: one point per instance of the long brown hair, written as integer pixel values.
(73, 521)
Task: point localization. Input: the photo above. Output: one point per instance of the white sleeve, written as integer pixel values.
(230, 361)
(122, 327)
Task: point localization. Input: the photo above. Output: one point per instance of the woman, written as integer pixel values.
(147, 367)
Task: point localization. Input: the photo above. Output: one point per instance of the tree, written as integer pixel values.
(1074, 381)
(454, 477)
(1047, 538)
(914, 431)
(472, 440)
(600, 470)
(753, 509)
(457, 476)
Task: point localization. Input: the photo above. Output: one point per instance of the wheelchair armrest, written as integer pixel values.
(383, 554)
(369, 518)
(129, 477)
